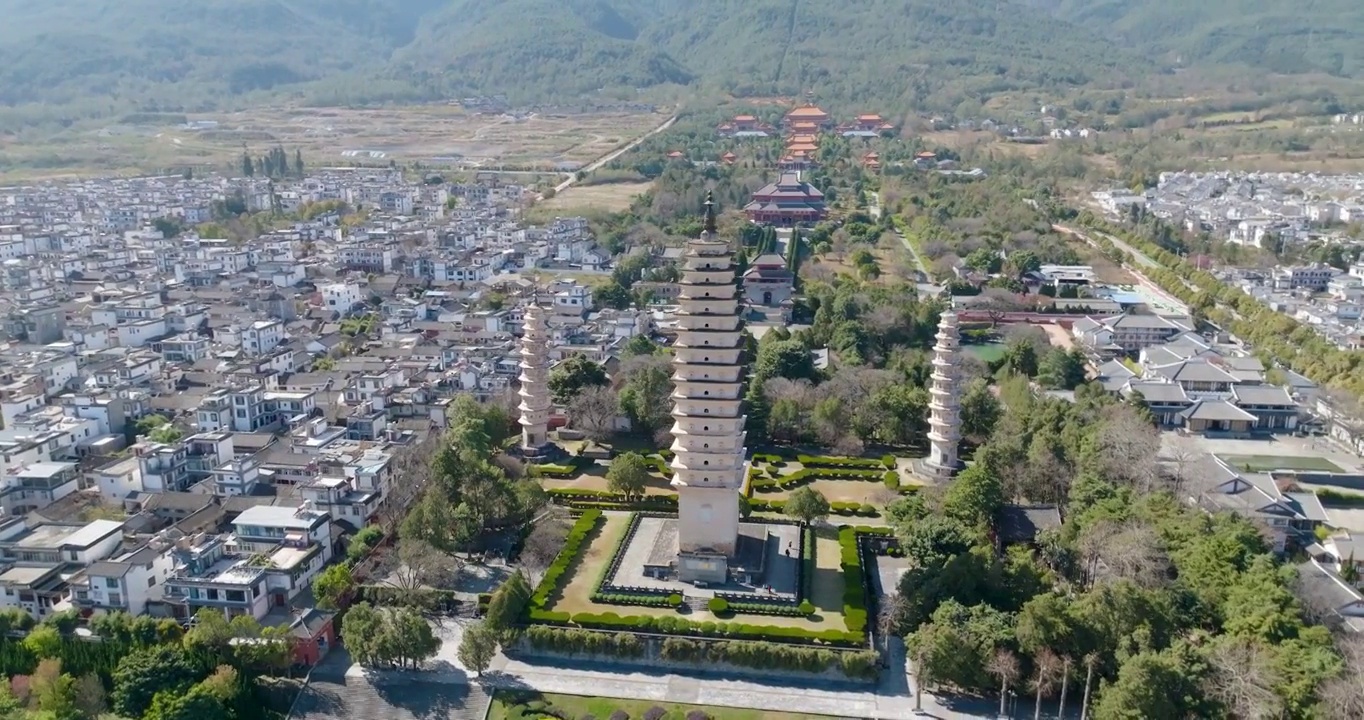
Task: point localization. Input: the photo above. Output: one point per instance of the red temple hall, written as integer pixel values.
(787, 201)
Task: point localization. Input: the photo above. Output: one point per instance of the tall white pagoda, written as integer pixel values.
(535, 398)
(708, 424)
(944, 422)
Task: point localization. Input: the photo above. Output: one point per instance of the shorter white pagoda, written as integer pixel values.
(535, 397)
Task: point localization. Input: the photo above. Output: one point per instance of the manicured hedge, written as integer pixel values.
(677, 625)
(833, 461)
(659, 464)
(888, 461)
(892, 480)
(1332, 498)
(573, 544)
(568, 640)
(863, 665)
(554, 471)
(854, 588)
(718, 606)
(793, 480)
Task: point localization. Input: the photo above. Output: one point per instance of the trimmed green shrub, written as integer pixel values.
(888, 461)
(833, 461)
(807, 607)
(718, 606)
(867, 510)
(892, 480)
(675, 600)
(854, 592)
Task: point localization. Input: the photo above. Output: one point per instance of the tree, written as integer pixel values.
(544, 542)
(197, 704)
(89, 696)
(980, 410)
(594, 411)
(1020, 357)
(644, 397)
(975, 496)
(298, 162)
(1243, 678)
(248, 167)
(807, 505)
(1046, 667)
(333, 586)
(1003, 665)
(628, 475)
(44, 642)
(507, 602)
(574, 375)
(54, 693)
(1061, 369)
(612, 295)
(478, 647)
(788, 359)
(640, 345)
(1149, 685)
(142, 674)
(412, 638)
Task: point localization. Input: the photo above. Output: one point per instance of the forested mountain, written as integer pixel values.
(96, 57)
(1282, 36)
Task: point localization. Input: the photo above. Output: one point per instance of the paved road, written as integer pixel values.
(599, 162)
(1142, 260)
(926, 289)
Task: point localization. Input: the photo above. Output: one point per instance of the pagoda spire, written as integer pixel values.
(709, 227)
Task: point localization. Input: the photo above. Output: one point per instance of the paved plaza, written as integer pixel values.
(656, 537)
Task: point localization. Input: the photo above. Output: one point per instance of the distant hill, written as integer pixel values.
(100, 57)
(1281, 36)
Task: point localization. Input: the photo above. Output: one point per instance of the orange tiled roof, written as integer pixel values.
(807, 111)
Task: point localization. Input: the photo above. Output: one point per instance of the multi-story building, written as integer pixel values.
(206, 575)
(788, 201)
(262, 336)
(25, 488)
(37, 560)
(124, 583)
(1127, 333)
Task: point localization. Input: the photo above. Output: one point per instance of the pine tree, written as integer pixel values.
(248, 169)
(298, 162)
(267, 166)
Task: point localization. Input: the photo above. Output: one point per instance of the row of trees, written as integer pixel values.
(273, 164)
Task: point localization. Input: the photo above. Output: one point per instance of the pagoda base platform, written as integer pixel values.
(765, 566)
(925, 469)
(547, 453)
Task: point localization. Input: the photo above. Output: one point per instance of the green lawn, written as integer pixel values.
(513, 705)
(1266, 463)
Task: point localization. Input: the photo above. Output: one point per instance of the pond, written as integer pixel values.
(986, 352)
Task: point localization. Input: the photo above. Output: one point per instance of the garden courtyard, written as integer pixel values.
(827, 583)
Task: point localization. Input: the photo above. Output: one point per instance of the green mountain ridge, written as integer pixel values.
(1280, 36)
(99, 57)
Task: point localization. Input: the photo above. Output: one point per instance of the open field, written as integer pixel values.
(611, 197)
(1266, 463)
(582, 707)
(434, 135)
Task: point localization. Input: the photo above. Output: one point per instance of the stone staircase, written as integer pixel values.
(696, 603)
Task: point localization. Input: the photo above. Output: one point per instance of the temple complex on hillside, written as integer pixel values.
(788, 201)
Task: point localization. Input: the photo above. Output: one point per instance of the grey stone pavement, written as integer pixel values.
(891, 699)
